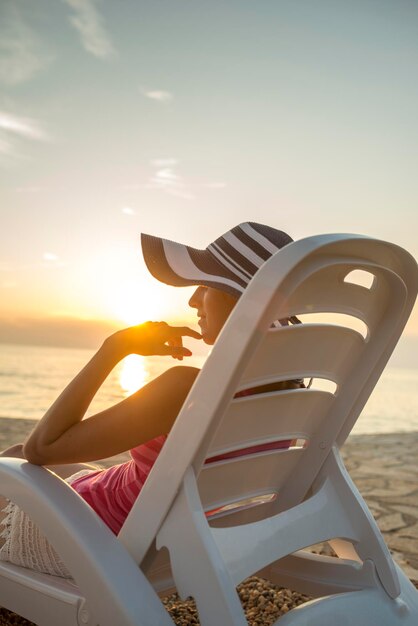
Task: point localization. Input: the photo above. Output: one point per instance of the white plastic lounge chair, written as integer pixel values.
(226, 520)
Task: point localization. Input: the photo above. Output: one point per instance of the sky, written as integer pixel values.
(182, 118)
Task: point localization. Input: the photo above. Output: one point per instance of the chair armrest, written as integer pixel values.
(63, 471)
(99, 563)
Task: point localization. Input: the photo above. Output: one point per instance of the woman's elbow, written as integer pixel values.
(33, 454)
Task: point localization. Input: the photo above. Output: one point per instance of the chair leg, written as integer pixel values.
(199, 570)
(369, 607)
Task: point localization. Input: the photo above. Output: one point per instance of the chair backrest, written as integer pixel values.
(308, 277)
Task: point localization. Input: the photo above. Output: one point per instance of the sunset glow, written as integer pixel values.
(133, 374)
(130, 121)
(135, 304)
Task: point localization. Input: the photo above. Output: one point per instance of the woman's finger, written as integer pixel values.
(183, 331)
(176, 342)
(174, 351)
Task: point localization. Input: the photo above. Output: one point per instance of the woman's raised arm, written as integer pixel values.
(62, 437)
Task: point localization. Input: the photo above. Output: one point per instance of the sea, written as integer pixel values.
(32, 377)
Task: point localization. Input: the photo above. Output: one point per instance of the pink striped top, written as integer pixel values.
(112, 492)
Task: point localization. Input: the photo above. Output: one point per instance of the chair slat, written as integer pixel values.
(223, 482)
(279, 415)
(283, 354)
(327, 291)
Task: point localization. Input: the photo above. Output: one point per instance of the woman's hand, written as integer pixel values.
(151, 339)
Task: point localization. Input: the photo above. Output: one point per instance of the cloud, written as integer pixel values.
(48, 260)
(22, 55)
(91, 28)
(50, 256)
(159, 95)
(169, 181)
(14, 128)
(22, 126)
(128, 211)
(165, 178)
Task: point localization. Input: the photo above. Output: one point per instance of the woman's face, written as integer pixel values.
(213, 308)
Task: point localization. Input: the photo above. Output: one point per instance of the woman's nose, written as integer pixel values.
(196, 298)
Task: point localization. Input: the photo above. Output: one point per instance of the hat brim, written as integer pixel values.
(180, 266)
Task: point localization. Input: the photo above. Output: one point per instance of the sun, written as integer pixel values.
(133, 304)
(127, 294)
(124, 290)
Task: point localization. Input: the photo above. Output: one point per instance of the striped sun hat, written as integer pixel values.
(228, 263)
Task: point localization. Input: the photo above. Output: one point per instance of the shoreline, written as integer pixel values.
(383, 467)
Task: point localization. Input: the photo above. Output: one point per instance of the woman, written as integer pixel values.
(141, 422)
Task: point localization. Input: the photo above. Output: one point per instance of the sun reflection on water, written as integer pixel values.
(133, 373)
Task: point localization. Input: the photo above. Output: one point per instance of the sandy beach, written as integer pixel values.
(385, 470)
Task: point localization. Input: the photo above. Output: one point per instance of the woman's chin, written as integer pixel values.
(207, 338)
